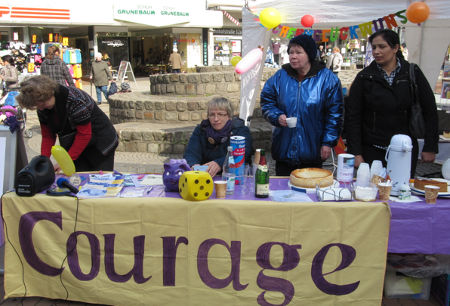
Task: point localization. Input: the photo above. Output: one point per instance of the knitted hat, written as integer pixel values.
(307, 43)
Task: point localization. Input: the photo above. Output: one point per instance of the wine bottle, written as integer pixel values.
(262, 177)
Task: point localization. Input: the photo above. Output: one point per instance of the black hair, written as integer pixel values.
(391, 38)
(9, 59)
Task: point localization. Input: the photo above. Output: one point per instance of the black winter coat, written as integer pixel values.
(375, 110)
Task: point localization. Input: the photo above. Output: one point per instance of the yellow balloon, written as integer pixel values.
(270, 17)
(63, 159)
(235, 60)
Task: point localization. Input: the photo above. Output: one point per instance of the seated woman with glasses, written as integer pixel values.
(210, 139)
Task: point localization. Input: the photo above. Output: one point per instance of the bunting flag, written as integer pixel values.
(231, 18)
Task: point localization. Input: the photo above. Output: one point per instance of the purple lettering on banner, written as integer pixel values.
(377, 22)
(72, 256)
(138, 268)
(26, 225)
(291, 259)
(348, 255)
(203, 270)
(169, 258)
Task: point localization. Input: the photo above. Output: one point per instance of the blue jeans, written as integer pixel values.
(99, 90)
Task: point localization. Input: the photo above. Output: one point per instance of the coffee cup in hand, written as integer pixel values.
(291, 122)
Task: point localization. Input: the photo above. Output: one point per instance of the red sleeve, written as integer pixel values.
(82, 138)
(48, 140)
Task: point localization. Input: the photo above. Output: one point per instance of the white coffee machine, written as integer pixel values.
(398, 157)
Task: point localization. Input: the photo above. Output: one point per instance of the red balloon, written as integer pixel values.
(307, 21)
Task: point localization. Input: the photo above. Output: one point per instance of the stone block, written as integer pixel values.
(181, 106)
(130, 114)
(180, 89)
(204, 115)
(201, 89)
(153, 148)
(233, 87)
(130, 146)
(221, 87)
(163, 89)
(174, 77)
(171, 106)
(139, 115)
(170, 88)
(193, 78)
(158, 89)
(141, 147)
(159, 79)
(178, 148)
(166, 79)
(135, 135)
(149, 116)
(120, 147)
(148, 105)
(178, 137)
(191, 89)
(166, 148)
(159, 105)
(229, 77)
(171, 116)
(139, 105)
(159, 115)
(192, 106)
(183, 116)
(168, 137)
(237, 77)
(153, 89)
(210, 89)
(147, 136)
(183, 78)
(196, 116)
(157, 136)
(203, 105)
(218, 77)
(205, 78)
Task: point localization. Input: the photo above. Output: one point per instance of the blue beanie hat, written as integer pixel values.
(307, 43)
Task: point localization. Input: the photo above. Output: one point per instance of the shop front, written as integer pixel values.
(227, 43)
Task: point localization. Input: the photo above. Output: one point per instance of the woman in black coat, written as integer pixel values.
(379, 105)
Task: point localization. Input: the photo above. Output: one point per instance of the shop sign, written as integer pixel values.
(113, 43)
(150, 14)
(227, 31)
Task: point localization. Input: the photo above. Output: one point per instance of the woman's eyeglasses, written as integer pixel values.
(218, 115)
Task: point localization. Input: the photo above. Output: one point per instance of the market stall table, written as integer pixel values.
(163, 249)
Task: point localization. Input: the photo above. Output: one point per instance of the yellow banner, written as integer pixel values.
(165, 251)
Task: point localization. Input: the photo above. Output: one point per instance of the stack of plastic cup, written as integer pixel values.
(363, 175)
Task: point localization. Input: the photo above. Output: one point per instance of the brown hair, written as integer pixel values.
(34, 90)
(51, 51)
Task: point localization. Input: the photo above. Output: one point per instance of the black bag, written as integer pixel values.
(416, 120)
(112, 88)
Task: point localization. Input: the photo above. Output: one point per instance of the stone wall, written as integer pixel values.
(205, 83)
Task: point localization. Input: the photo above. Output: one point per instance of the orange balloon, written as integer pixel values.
(418, 12)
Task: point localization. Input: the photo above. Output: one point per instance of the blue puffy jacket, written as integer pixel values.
(317, 102)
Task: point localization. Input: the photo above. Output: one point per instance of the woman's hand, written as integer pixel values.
(57, 168)
(282, 120)
(213, 168)
(358, 160)
(428, 157)
(325, 152)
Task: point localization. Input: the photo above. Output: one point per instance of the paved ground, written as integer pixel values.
(146, 162)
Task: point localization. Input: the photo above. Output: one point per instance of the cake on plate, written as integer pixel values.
(420, 184)
(311, 177)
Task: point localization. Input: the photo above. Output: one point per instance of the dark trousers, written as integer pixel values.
(371, 153)
(285, 168)
(93, 160)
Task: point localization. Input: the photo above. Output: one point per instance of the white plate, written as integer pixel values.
(311, 190)
(422, 192)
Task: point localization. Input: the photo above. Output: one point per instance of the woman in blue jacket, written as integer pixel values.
(210, 139)
(304, 89)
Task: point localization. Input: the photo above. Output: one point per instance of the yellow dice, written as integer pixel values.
(195, 185)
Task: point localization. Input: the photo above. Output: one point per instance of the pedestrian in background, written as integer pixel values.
(101, 76)
(175, 61)
(55, 68)
(335, 61)
(9, 74)
(379, 105)
(306, 90)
